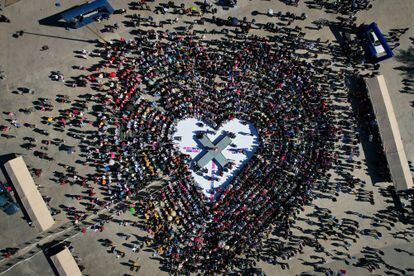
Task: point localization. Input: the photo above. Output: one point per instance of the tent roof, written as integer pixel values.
(390, 133)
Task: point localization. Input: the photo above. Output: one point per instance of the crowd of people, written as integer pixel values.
(366, 116)
(341, 6)
(261, 81)
(253, 79)
(278, 84)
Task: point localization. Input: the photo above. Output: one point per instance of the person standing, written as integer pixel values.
(136, 265)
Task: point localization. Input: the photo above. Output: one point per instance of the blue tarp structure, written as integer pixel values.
(370, 45)
(234, 21)
(84, 14)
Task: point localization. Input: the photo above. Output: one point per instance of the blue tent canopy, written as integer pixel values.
(234, 21)
(85, 14)
(376, 44)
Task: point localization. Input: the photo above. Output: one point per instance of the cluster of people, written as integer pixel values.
(4, 19)
(275, 83)
(341, 6)
(255, 80)
(366, 117)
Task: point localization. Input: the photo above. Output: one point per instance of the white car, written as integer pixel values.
(373, 39)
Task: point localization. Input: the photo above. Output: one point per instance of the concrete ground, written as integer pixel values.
(36, 265)
(28, 67)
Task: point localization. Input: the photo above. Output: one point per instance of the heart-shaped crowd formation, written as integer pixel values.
(251, 80)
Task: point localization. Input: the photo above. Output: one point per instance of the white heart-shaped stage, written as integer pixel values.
(218, 155)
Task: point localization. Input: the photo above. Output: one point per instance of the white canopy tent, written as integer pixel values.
(30, 197)
(65, 264)
(390, 133)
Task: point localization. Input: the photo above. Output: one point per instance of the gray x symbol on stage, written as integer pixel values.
(213, 152)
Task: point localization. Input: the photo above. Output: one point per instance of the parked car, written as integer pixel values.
(373, 39)
(6, 202)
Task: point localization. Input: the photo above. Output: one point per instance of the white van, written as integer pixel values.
(373, 39)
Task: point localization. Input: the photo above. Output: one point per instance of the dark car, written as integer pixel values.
(227, 3)
(6, 202)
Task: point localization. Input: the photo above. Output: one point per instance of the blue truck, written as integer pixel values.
(376, 46)
(85, 14)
